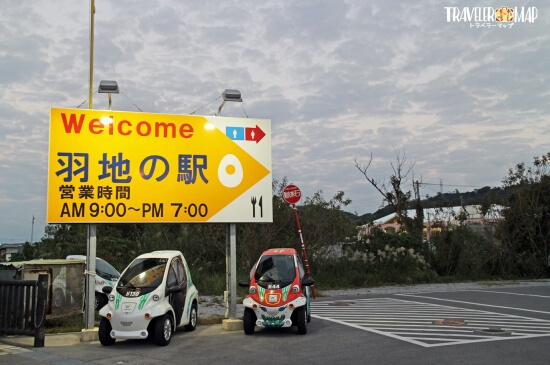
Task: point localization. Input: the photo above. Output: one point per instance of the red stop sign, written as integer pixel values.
(292, 194)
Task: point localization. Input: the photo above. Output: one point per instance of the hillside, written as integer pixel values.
(477, 196)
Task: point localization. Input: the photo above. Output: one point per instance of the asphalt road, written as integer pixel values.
(498, 325)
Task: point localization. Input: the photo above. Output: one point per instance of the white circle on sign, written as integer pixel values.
(230, 171)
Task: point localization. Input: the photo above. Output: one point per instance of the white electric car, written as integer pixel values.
(153, 296)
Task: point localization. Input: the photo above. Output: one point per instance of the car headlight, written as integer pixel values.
(252, 290)
(111, 297)
(295, 289)
(156, 297)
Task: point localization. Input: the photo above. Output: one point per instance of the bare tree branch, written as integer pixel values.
(393, 194)
(363, 169)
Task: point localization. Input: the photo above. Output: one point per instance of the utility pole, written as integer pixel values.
(32, 228)
(418, 223)
(416, 188)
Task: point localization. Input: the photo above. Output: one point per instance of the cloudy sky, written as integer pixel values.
(466, 100)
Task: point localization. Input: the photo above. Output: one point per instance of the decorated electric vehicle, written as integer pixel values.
(153, 296)
(279, 293)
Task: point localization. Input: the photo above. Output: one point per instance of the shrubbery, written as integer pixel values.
(520, 246)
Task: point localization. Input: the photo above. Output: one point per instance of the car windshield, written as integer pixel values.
(105, 270)
(275, 269)
(143, 273)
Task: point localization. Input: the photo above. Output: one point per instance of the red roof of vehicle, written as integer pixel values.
(279, 251)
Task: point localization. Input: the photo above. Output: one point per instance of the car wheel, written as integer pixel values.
(100, 301)
(193, 317)
(301, 320)
(249, 321)
(163, 330)
(104, 332)
(58, 298)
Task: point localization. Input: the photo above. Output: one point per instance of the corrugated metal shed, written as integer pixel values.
(65, 282)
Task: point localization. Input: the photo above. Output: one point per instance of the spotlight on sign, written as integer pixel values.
(230, 95)
(108, 87)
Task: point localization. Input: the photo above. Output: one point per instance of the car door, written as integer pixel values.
(177, 277)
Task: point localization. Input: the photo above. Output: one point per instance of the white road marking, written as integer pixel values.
(473, 303)
(521, 294)
(413, 322)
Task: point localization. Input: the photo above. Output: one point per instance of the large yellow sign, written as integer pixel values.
(112, 166)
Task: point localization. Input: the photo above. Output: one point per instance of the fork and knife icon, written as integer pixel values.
(254, 201)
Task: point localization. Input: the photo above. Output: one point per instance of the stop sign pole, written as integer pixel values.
(292, 195)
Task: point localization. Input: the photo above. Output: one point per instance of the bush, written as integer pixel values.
(464, 254)
(369, 264)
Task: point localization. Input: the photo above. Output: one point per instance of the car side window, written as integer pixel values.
(172, 279)
(180, 270)
(300, 268)
(253, 269)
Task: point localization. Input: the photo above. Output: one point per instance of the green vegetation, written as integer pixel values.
(74, 323)
(514, 248)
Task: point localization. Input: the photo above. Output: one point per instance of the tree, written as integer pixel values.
(460, 252)
(394, 195)
(323, 222)
(525, 232)
(27, 253)
(204, 245)
(61, 240)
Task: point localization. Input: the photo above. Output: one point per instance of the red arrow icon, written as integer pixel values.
(254, 134)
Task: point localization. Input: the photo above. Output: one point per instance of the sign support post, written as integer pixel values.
(231, 246)
(304, 253)
(89, 307)
(231, 267)
(291, 195)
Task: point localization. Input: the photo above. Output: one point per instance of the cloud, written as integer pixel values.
(338, 79)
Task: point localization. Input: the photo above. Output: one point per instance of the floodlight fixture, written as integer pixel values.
(230, 95)
(108, 87)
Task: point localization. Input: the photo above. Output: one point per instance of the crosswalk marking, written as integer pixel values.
(478, 304)
(423, 323)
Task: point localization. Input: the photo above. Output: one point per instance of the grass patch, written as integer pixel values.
(215, 319)
(74, 323)
(211, 283)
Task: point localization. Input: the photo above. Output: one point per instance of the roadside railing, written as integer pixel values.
(23, 308)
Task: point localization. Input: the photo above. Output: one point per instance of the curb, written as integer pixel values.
(50, 340)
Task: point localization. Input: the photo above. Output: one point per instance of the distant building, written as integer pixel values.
(436, 218)
(7, 250)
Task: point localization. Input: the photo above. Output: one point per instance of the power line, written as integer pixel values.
(36, 219)
(448, 185)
